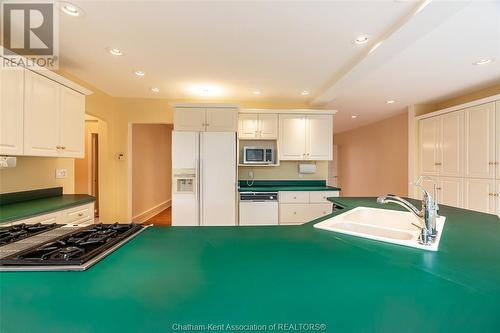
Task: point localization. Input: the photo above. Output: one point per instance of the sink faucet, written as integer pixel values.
(427, 214)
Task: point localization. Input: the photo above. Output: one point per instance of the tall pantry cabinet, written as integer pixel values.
(460, 153)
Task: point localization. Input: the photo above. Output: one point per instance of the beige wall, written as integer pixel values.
(373, 159)
(37, 172)
(285, 171)
(151, 167)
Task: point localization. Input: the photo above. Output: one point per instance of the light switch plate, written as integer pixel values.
(61, 173)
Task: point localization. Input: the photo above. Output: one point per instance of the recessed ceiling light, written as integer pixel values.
(207, 90)
(70, 9)
(391, 101)
(305, 93)
(483, 61)
(115, 51)
(361, 39)
(256, 92)
(155, 89)
(139, 73)
(354, 116)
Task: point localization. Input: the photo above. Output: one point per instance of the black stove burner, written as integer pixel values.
(17, 232)
(75, 248)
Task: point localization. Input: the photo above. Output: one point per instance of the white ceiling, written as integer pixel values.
(282, 48)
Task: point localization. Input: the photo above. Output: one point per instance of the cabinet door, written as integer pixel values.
(498, 198)
(189, 119)
(11, 111)
(72, 113)
(450, 191)
(318, 210)
(479, 195)
(480, 141)
(497, 130)
(248, 125)
(221, 119)
(292, 137)
(429, 146)
(294, 213)
(451, 144)
(319, 137)
(41, 116)
(268, 126)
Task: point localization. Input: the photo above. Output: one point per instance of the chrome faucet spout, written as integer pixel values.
(427, 215)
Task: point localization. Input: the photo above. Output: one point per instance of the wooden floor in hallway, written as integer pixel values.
(164, 218)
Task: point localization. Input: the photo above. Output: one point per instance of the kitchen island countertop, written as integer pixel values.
(171, 276)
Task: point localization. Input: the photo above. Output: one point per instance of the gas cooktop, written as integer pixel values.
(17, 232)
(77, 250)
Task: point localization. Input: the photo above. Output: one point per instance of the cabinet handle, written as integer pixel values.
(58, 147)
(491, 163)
(294, 213)
(63, 147)
(80, 214)
(438, 163)
(491, 194)
(295, 197)
(438, 188)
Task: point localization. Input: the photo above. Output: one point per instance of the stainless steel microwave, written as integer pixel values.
(258, 155)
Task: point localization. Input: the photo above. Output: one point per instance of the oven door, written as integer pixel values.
(254, 155)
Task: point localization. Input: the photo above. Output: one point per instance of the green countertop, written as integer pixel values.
(284, 185)
(266, 275)
(26, 209)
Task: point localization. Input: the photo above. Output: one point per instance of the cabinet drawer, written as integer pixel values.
(79, 214)
(320, 196)
(55, 217)
(294, 213)
(294, 197)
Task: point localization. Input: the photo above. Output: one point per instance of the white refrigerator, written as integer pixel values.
(204, 178)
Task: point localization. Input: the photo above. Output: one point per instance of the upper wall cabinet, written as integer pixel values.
(200, 119)
(11, 111)
(53, 118)
(480, 159)
(305, 137)
(40, 115)
(441, 145)
(258, 126)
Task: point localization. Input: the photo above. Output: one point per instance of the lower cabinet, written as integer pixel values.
(481, 195)
(298, 207)
(74, 215)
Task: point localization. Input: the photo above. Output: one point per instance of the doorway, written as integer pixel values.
(87, 168)
(150, 173)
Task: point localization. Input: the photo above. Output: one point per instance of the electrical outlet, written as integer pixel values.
(61, 173)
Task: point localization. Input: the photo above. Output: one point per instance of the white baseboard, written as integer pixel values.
(146, 215)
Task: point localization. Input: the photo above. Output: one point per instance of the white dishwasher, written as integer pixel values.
(259, 208)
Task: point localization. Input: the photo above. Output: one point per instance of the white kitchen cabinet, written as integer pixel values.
(480, 147)
(72, 125)
(248, 125)
(450, 191)
(479, 195)
(258, 126)
(292, 137)
(441, 145)
(319, 137)
(221, 119)
(451, 136)
(189, 119)
(298, 207)
(429, 146)
(268, 126)
(304, 137)
(201, 119)
(53, 118)
(41, 116)
(11, 111)
(497, 130)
